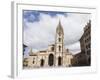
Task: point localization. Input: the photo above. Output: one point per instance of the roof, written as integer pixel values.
(32, 54)
(43, 51)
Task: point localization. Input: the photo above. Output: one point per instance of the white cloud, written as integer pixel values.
(39, 35)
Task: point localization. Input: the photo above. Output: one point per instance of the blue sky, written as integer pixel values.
(33, 15)
(40, 29)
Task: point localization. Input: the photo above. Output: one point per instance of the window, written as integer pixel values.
(89, 45)
(52, 48)
(59, 48)
(88, 52)
(59, 39)
(33, 60)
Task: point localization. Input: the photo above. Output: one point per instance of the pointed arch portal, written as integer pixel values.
(51, 60)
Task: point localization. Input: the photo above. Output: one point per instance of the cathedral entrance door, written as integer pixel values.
(51, 60)
(59, 61)
(42, 62)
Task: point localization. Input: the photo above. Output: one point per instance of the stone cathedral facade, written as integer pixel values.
(54, 56)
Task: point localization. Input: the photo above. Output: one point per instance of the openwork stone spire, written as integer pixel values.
(59, 29)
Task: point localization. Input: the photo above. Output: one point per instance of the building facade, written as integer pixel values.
(55, 55)
(79, 59)
(85, 42)
(84, 57)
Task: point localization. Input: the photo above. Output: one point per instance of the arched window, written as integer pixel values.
(59, 48)
(52, 48)
(33, 60)
(59, 61)
(59, 39)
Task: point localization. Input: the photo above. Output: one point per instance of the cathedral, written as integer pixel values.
(55, 55)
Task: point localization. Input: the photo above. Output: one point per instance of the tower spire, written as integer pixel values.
(59, 28)
(59, 23)
(59, 43)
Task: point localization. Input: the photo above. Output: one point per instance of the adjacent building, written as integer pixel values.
(83, 58)
(85, 43)
(79, 59)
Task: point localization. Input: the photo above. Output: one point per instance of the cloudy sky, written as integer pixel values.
(40, 29)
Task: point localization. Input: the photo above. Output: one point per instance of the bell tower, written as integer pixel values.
(59, 43)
